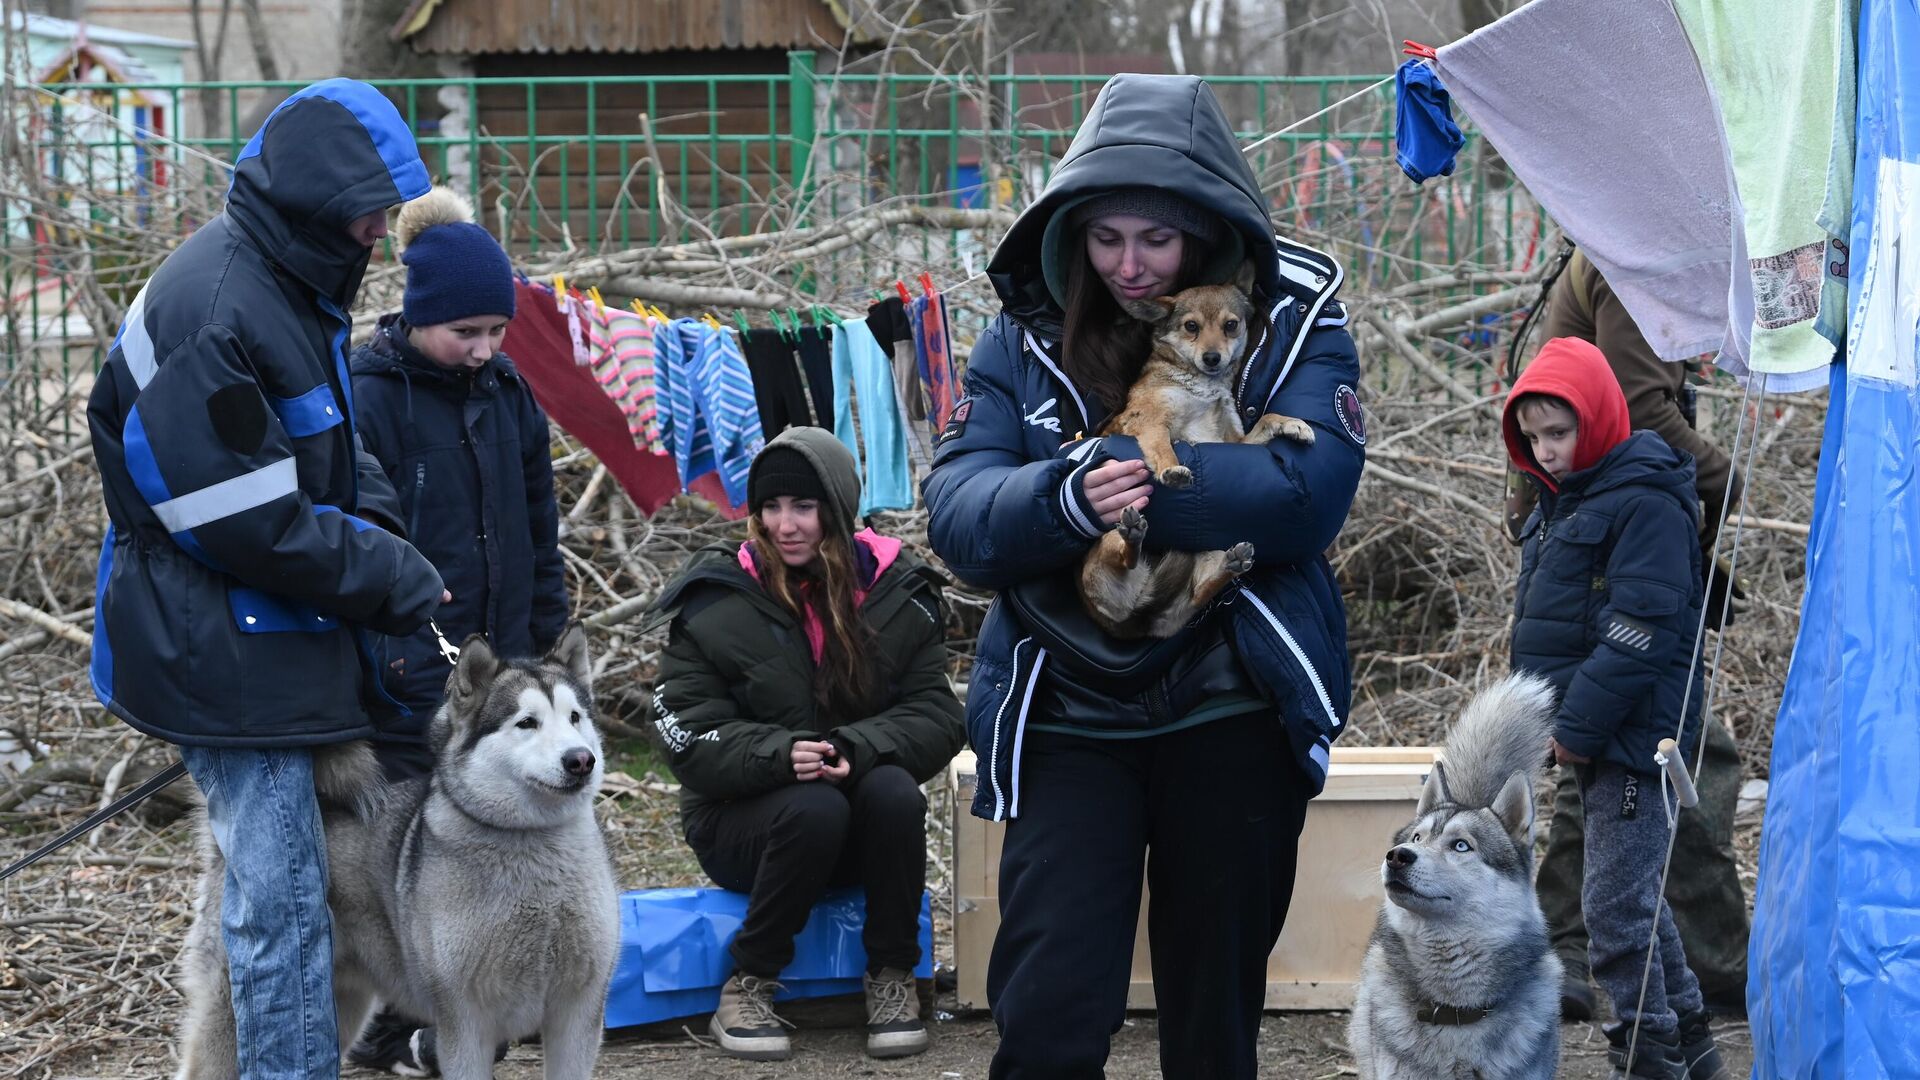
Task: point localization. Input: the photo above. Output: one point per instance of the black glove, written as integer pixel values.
(1724, 593)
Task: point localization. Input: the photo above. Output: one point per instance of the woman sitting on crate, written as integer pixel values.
(803, 699)
(1202, 748)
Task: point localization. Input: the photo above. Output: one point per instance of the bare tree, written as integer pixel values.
(207, 49)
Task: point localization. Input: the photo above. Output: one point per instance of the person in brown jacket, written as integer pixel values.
(1703, 886)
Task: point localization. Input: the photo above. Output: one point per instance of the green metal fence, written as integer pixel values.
(618, 162)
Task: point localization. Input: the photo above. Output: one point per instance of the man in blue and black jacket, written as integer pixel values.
(249, 547)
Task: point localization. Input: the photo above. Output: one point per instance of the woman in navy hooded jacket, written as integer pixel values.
(1204, 750)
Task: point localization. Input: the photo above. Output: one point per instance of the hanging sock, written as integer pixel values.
(1425, 138)
(776, 381)
(816, 362)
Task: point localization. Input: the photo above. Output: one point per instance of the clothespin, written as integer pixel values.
(560, 284)
(659, 313)
(707, 317)
(926, 284)
(905, 296)
(1415, 49)
(638, 308)
(813, 312)
(740, 317)
(594, 291)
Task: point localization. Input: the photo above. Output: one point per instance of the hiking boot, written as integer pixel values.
(1656, 1056)
(893, 1014)
(745, 1024)
(1576, 996)
(1698, 1050)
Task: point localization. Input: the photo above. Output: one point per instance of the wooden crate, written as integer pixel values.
(1371, 792)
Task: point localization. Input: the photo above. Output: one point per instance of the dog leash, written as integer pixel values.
(447, 648)
(153, 784)
(119, 806)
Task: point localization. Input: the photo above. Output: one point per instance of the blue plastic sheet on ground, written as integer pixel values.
(673, 951)
(1834, 967)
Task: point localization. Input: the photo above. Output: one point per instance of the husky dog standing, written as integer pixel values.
(1459, 981)
(479, 897)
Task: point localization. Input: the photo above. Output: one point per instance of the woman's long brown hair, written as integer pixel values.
(1102, 348)
(843, 681)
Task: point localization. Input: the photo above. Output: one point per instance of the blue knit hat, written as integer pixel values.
(455, 269)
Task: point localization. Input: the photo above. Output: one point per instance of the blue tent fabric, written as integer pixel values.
(1834, 966)
(1425, 138)
(673, 951)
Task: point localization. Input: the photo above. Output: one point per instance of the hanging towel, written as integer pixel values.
(542, 348)
(862, 369)
(1425, 138)
(1638, 174)
(816, 363)
(776, 382)
(1773, 69)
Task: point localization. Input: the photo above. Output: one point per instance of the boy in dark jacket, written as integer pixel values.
(1606, 611)
(466, 448)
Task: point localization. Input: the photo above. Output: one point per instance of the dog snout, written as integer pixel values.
(1210, 360)
(1402, 857)
(577, 761)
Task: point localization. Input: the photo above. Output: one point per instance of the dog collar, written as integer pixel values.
(1450, 1015)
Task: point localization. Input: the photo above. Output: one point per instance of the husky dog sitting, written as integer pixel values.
(1183, 394)
(1459, 981)
(479, 898)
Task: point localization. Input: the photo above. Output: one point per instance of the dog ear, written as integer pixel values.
(476, 668)
(1434, 792)
(1245, 278)
(570, 652)
(1155, 311)
(1514, 807)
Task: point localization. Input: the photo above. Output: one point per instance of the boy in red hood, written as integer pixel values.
(1606, 609)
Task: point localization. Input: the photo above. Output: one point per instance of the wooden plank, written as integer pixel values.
(1337, 890)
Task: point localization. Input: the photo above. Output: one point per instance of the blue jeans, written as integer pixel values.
(273, 914)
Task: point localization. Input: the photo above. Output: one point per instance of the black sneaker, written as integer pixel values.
(1656, 1056)
(1576, 997)
(1698, 1049)
(391, 1043)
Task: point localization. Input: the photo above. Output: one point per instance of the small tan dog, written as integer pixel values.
(1184, 394)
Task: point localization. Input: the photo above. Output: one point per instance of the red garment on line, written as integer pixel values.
(542, 349)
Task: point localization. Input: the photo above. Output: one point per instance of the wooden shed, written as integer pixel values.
(714, 78)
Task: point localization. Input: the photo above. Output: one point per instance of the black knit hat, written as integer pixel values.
(783, 470)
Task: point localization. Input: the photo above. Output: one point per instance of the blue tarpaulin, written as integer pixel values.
(673, 951)
(1834, 982)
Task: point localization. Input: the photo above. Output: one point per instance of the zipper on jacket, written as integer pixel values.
(419, 493)
(999, 718)
(1313, 675)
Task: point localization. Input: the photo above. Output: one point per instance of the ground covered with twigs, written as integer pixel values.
(85, 976)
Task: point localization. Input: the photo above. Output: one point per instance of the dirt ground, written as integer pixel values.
(1293, 1046)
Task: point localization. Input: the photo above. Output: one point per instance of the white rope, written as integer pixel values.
(1270, 136)
(1713, 677)
(132, 129)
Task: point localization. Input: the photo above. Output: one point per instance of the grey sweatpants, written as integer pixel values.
(1625, 850)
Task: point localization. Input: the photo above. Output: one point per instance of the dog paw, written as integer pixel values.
(1133, 525)
(1177, 477)
(1239, 558)
(1291, 428)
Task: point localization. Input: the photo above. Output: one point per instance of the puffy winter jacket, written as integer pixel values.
(1005, 498)
(735, 688)
(469, 456)
(239, 568)
(1609, 601)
